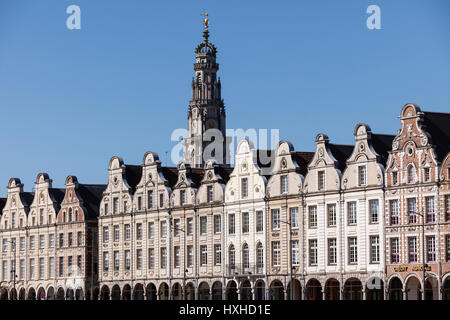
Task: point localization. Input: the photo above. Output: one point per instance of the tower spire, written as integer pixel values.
(206, 112)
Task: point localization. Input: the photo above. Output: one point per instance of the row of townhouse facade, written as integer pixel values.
(342, 222)
(364, 221)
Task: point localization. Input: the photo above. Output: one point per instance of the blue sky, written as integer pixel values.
(71, 99)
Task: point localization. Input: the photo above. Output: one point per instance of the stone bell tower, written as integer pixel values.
(206, 113)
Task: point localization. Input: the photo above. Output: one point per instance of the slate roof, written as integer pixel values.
(341, 152)
(171, 175)
(382, 143)
(91, 194)
(303, 158)
(133, 175)
(2, 204)
(437, 124)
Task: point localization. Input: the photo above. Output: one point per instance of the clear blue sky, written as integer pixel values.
(71, 99)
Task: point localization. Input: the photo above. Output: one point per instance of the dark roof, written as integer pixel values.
(196, 176)
(27, 198)
(171, 175)
(57, 194)
(133, 175)
(341, 152)
(382, 143)
(2, 203)
(91, 194)
(303, 159)
(223, 172)
(438, 126)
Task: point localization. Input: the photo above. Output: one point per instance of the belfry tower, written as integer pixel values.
(206, 114)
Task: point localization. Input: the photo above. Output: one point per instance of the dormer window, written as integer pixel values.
(244, 187)
(411, 174)
(394, 177)
(161, 200)
(426, 175)
(182, 197)
(362, 175)
(139, 203)
(115, 205)
(284, 184)
(210, 193)
(321, 179)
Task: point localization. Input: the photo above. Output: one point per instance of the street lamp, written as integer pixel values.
(423, 251)
(291, 289)
(184, 254)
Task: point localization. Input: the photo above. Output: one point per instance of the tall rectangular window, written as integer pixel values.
(412, 215)
(105, 261)
(176, 257)
(22, 242)
(163, 258)
(5, 271)
(412, 249)
(217, 224)
(41, 241)
(244, 187)
(61, 240)
(275, 219)
(394, 214)
(312, 216)
(163, 228)
(32, 242)
(352, 250)
(51, 267)
(22, 269)
(313, 252)
(447, 208)
(362, 176)
(431, 248)
(151, 258)
(203, 225)
(395, 250)
(447, 247)
(138, 259)
(259, 221)
(69, 263)
(429, 208)
(231, 223)
(116, 233)
(182, 197)
(394, 177)
(79, 239)
(139, 203)
(217, 254)
(61, 267)
(41, 268)
(190, 225)
(245, 222)
(176, 227)
(331, 213)
(70, 239)
(284, 184)
(127, 232)
(373, 207)
(150, 199)
(116, 260)
(276, 254)
(351, 212)
(321, 180)
(374, 249)
(203, 255)
(161, 200)
(105, 234)
(210, 193)
(32, 273)
(139, 231)
(332, 251)
(426, 175)
(190, 256)
(294, 217)
(151, 230)
(295, 252)
(115, 205)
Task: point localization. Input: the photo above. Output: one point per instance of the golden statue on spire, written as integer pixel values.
(206, 20)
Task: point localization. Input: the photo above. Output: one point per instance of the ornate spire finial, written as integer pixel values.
(206, 24)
